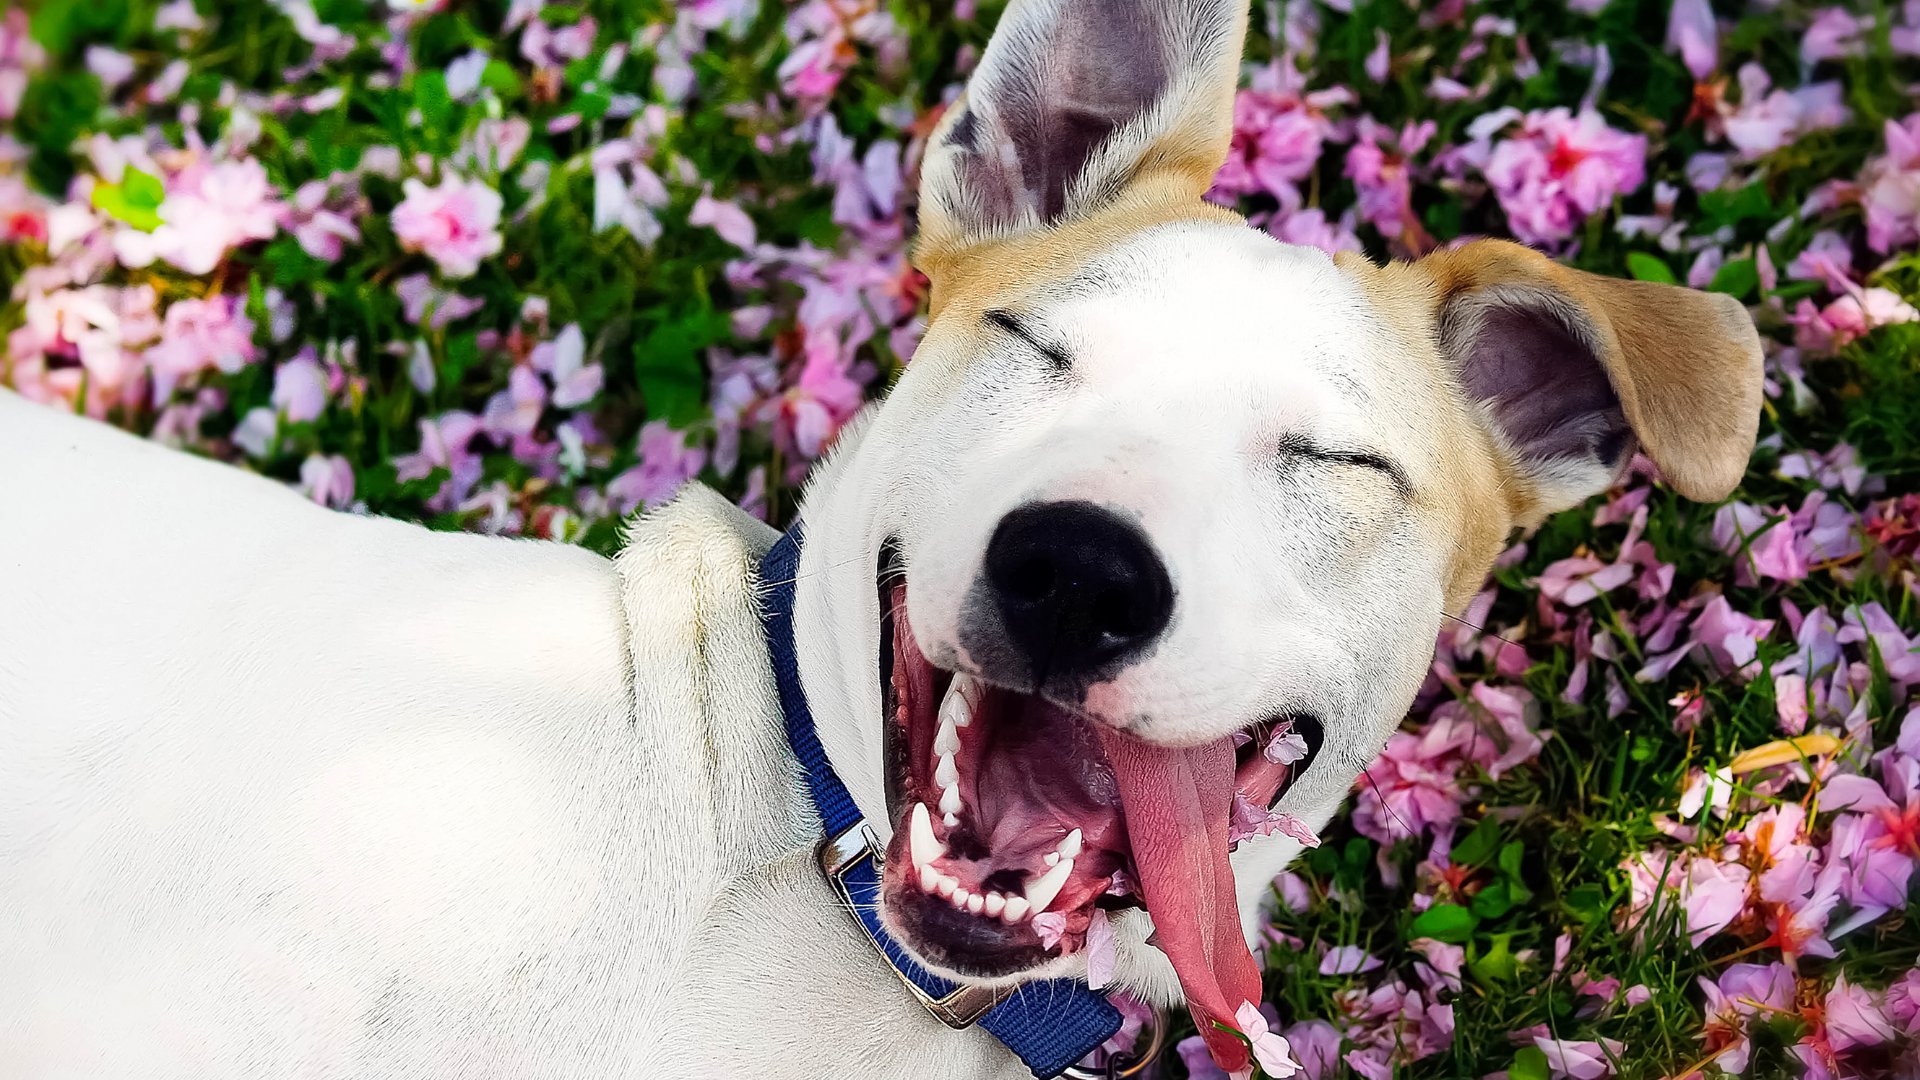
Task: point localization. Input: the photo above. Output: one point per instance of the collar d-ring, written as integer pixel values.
(1128, 1063)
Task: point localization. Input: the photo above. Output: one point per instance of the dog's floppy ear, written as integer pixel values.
(1572, 370)
(1075, 101)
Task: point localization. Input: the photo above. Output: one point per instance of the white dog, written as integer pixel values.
(1157, 529)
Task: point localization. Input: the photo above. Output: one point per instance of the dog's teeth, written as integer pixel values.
(947, 739)
(1050, 858)
(950, 820)
(1070, 847)
(957, 708)
(1042, 892)
(1016, 909)
(920, 839)
(976, 904)
(950, 800)
(929, 879)
(995, 904)
(959, 898)
(947, 886)
(947, 772)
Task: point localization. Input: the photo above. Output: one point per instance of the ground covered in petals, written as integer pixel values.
(525, 268)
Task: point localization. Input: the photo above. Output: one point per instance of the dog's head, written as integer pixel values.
(1165, 514)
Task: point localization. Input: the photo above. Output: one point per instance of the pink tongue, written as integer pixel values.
(1176, 804)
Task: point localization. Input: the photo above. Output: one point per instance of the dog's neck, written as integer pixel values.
(773, 978)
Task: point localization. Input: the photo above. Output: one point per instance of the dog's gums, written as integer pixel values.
(1009, 823)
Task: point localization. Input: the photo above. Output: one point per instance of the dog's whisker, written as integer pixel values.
(1384, 804)
(1480, 629)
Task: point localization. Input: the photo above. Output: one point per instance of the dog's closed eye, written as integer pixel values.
(1296, 445)
(1012, 325)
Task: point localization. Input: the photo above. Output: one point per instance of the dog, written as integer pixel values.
(285, 792)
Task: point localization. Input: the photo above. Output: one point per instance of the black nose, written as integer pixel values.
(1078, 588)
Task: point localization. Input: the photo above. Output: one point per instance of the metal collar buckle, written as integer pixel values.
(961, 1007)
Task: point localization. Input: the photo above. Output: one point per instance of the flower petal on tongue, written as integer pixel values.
(1176, 804)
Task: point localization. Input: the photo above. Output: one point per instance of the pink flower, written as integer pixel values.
(300, 389)
(198, 335)
(1827, 258)
(1270, 1048)
(1249, 821)
(1580, 1060)
(456, 223)
(1561, 168)
(327, 480)
(1892, 191)
(1903, 1002)
(1383, 177)
(211, 209)
(1348, 960)
(1692, 33)
(1278, 131)
(563, 360)
(1576, 580)
(666, 463)
(1100, 950)
(1855, 1017)
(1713, 896)
(725, 218)
(84, 347)
(1848, 319)
(1767, 120)
(445, 443)
(322, 217)
(1731, 640)
(1834, 34)
(1743, 991)
(425, 304)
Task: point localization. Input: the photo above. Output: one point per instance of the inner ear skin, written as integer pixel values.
(1543, 386)
(1097, 79)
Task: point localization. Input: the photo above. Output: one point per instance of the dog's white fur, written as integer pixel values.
(290, 793)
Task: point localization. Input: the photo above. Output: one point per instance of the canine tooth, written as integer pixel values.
(959, 897)
(976, 903)
(995, 904)
(947, 886)
(920, 838)
(929, 879)
(1050, 858)
(1016, 910)
(1070, 847)
(1042, 892)
(947, 739)
(950, 800)
(956, 709)
(947, 772)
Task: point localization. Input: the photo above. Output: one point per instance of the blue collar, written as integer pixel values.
(1049, 1026)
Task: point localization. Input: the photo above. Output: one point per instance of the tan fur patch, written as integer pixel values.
(974, 277)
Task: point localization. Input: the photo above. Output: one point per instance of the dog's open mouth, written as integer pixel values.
(1016, 819)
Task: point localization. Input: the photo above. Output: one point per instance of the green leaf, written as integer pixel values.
(1732, 207)
(668, 366)
(1588, 902)
(1529, 1063)
(1450, 923)
(1479, 845)
(1493, 901)
(431, 98)
(499, 77)
(1737, 278)
(134, 200)
(1645, 267)
(1497, 964)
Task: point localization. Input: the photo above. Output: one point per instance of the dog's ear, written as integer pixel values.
(1572, 370)
(1074, 102)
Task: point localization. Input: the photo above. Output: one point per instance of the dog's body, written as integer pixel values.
(296, 793)
(285, 793)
